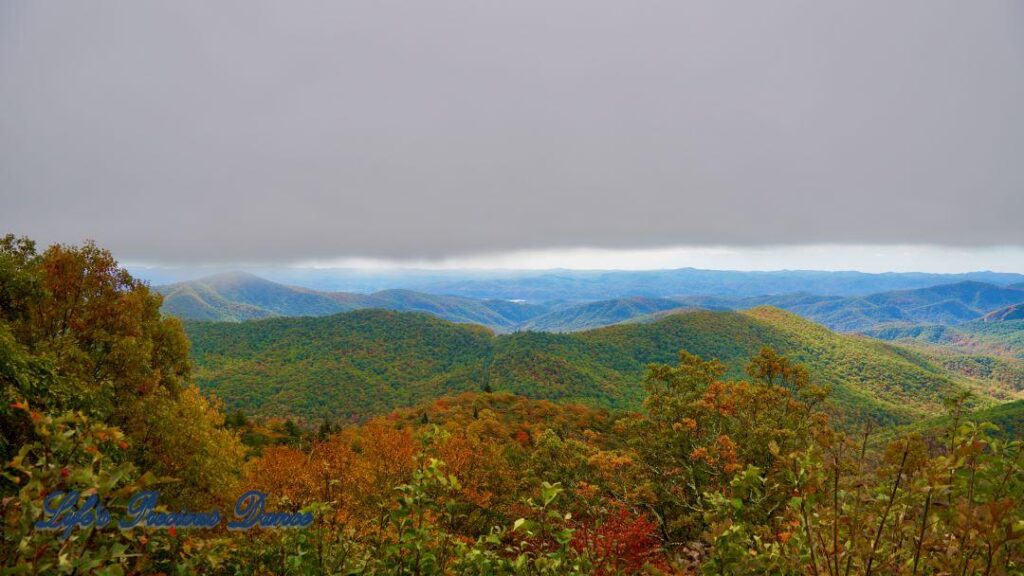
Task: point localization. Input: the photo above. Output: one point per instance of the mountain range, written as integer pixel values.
(603, 285)
(945, 304)
(538, 286)
(241, 296)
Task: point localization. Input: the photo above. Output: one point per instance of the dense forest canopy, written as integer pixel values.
(366, 362)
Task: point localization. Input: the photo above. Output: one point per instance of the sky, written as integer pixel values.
(864, 258)
(871, 135)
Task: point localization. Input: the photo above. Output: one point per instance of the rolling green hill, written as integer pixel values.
(369, 361)
(1002, 338)
(988, 349)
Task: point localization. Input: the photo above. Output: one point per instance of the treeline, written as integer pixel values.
(717, 473)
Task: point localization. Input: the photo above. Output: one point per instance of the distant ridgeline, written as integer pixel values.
(361, 363)
(239, 296)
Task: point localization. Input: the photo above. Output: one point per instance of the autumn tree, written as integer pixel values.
(701, 432)
(88, 337)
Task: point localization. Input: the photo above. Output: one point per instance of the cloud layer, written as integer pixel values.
(210, 132)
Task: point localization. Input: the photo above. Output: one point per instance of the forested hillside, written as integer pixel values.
(366, 362)
(1001, 338)
(1008, 418)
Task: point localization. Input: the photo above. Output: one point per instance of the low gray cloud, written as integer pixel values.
(193, 131)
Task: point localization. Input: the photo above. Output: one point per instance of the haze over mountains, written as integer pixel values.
(585, 285)
(942, 304)
(601, 285)
(239, 296)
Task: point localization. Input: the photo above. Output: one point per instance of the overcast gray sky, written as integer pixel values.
(191, 132)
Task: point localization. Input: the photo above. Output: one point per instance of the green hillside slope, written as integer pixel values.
(358, 363)
(1001, 338)
(1009, 417)
(369, 361)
